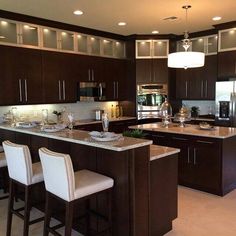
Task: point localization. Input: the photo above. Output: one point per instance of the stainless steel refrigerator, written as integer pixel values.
(225, 104)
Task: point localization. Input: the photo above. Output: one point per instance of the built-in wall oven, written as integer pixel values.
(91, 91)
(149, 99)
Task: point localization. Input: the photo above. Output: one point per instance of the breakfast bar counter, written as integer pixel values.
(145, 176)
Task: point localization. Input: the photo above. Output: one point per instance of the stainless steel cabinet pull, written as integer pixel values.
(194, 156)
(186, 88)
(199, 141)
(59, 89)
(92, 75)
(117, 89)
(188, 156)
(182, 139)
(201, 89)
(206, 89)
(114, 89)
(89, 74)
(26, 91)
(20, 89)
(64, 89)
(235, 67)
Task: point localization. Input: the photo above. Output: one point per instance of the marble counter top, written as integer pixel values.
(83, 137)
(90, 121)
(217, 132)
(157, 151)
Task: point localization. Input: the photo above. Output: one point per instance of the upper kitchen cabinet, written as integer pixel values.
(21, 72)
(59, 77)
(152, 49)
(227, 53)
(8, 32)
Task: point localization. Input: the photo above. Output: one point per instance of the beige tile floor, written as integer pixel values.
(200, 214)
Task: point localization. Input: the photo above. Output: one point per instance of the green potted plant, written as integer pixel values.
(134, 133)
(195, 111)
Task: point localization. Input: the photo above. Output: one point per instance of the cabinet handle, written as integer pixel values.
(201, 89)
(194, 156)
(89, 74)
(186, 88)
(235, 67)
(199, 141)
(64, 89)
(59, 89)
(114, 89)
(188, 156)
(92, 74)
(20, 90)
(206, 88)
(182, 139)
(117, 89)
(26, 91)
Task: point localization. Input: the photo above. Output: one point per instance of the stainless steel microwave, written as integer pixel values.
(91, 91)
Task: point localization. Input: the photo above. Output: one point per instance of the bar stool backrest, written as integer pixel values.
(58, 174)
(19, 162)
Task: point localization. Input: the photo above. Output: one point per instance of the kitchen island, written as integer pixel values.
(207, 160)
(143, 202)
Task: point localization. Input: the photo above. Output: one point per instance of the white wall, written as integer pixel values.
(81, 110)
(206, 107)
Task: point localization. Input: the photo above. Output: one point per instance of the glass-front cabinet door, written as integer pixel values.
(66, 40)
(49, 38)
(119, 49)
(95, 47)
(107, 46)
(212, 42)
(29, 35)
(160, 48)
(227, 39)
(143, 48)
(8, 32)
(81, 43)
(198, 45)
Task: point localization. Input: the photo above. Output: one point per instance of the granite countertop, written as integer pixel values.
(217, 132)
(157, 151)
(91, 121)
(83, 137)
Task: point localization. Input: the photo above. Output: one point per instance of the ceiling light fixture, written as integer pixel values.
(122, 23)
(78, 13)
(216, 18)
(155, 32)
(186, 59)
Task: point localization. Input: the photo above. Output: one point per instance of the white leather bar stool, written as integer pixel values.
(62, 182)
(21, 172)
(3, 168)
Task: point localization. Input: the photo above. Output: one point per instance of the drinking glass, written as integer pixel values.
(105, 122)
(44, 116)
(71, 119)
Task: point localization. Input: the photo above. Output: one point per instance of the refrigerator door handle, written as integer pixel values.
(232, 109)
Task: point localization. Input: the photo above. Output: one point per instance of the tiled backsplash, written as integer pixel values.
(206, 107)
(81, 110)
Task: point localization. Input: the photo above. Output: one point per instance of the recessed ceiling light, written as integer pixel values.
(78, 12)
(122, 23)
(155, 32)
(216, 18)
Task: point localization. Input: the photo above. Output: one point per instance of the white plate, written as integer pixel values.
(53, 128)
(104, 136)
(26, 125)
(106, 139)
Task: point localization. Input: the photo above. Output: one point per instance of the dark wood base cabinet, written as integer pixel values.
(206, 164)
(144, 195)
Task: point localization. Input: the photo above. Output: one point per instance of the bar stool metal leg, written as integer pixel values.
(10, 207)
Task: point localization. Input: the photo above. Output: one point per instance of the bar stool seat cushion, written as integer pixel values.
(88, 182)
(37, 173)
(3, 161)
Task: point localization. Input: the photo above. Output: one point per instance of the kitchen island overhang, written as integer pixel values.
(127, 161)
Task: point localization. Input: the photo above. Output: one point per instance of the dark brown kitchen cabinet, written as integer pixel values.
(151, 71)
(197, 83)
(21, 72)
(226, 64)
(59, 77)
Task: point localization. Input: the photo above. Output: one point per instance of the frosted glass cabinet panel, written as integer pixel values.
(49, 38)
(160, 48)
(30, 35)
(107, 47)
(143, 48)
(180, 47)
(119, 49)
(82, 43)
(212, 44)
(198, 45)
(95, 45)
(228, 39)
(8, 32)
(67, 41)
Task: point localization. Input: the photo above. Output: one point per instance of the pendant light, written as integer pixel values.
(186, 59)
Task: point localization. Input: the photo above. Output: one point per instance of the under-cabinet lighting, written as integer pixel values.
(117, 43)
(63, 33)
(159, 42)
(79, 36)
(232, 31)
(3, 22)
(45, 30)
(200, 40)
(92, 39)
(29, 27)
(2, 37)
(143, 43)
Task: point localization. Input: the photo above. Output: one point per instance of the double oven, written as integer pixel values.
(149, 99)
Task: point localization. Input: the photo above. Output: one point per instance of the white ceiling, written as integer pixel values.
(142, 16)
